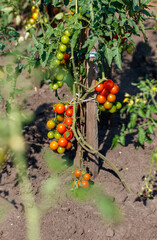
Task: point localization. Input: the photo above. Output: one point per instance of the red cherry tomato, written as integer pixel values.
(68, 134)
(69, 112)
(100, 87)
(68, 121)
(108, 84)
(104, 92)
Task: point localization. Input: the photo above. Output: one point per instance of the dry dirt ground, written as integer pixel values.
(70, 220)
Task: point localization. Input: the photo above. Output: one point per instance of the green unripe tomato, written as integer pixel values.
(56, 62)
(31, 21)
(59, 56)
(50, 134)
(59, 76)
(113, 109)
(55, 86)
(67, 32)
(57, 135)
(60, 83)
(62, 48)
(65, 39)
(130, 48)
(102, 108)
(118, 105)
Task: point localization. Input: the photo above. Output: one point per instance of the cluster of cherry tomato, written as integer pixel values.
(106, 97)
(82, 179)
(31, 21)
(62, 58)
(60, 128)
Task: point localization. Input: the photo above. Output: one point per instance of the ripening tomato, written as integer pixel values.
(53, 145)
(62, 142)
(61, 128)
(69, 145)
(35, 15)
(59, 56)
(50, 134)
(114, 89)
(108, 84)
(87, 176)
(69, 112)
(60, 117)
(68, 134)
(66, 56)
(62, 62)
(33, 8)
(62, 48)
(60, 108)
(85, 184)
(60, 150)
(104, 92)
(100, 87)
(65, 39)
(108, 105)
(50, 124)
(100, 98)
(68, 121)
(111, 97)
(77, 173)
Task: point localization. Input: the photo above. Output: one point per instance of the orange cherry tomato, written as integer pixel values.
(100, 87)
(62, 142)
(33, 8)
(61, 128)
(68, 121)
(108, 105)
(108, 84)
(77, 173)
(50, 124)
(85, 184)
(53, 145)
(111, 97)
(60, 108)
(35, 16)
(87, 176)
(100, 98)
(114, 89)
(69, 145)
(62, 62)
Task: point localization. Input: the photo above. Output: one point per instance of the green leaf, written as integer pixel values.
(68, 79)
(122, 139)
(148, 139)
(109, 55)
(153, 108)
(150, 128)
(55, 2)
(59, 16)
(0, 97)
(141, 113)
(66, 2)
(75, 37)
(7, 9)
(133, 118)
(148, 113)
(115, 141)
(117, 57)
(141, 136)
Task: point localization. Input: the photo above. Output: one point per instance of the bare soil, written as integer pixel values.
(70, 220)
